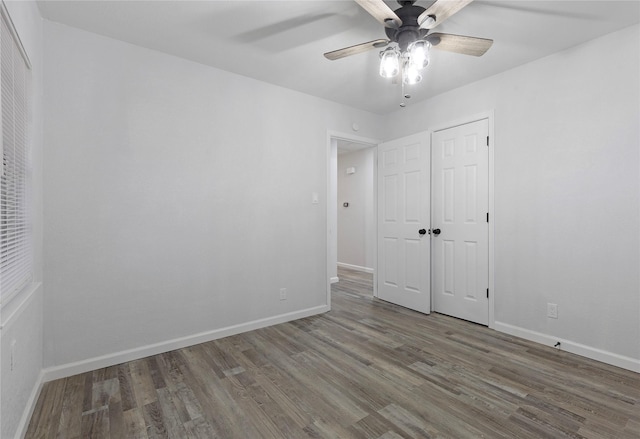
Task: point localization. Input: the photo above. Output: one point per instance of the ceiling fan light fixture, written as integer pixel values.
(411, 74)
(419, 54)
(389, 62)
(408, 30)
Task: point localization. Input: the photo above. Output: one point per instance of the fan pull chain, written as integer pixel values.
(404, 95)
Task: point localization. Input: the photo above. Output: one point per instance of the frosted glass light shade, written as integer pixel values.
(411, 74)
(419, 54)
(389, 63)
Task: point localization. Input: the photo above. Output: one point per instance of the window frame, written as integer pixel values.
(16, 219)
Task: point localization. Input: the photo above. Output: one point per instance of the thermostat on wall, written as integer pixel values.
(351, 170)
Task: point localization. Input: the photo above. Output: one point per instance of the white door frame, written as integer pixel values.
(489, 115)
(332, 196)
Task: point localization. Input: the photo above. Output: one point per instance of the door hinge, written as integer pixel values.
(487, 293)
(487, 216)
(487, 140)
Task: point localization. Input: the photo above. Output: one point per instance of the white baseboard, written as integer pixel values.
(570, 346)
(23, 425)
(334, 280)
(67, 370)
(355, 267)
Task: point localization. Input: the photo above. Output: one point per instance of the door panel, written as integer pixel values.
(460, 203)
(403, 209)
(390, 263)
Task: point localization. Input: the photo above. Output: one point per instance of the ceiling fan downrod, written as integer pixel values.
(409, 31)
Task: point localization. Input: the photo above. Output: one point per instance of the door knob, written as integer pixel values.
(436, 232)
(422, 231)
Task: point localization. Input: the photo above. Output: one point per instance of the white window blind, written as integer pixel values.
(15, 223)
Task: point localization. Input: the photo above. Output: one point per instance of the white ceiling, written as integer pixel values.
(282, 42)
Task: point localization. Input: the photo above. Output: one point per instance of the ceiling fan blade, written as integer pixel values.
(381, 12)
(440, 11)
(459, 43)
(354, 50)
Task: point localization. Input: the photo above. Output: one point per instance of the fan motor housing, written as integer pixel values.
(409, 31)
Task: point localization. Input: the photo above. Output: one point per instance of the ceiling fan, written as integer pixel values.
(410, 28)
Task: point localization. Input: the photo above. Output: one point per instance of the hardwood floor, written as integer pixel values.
(367, 369)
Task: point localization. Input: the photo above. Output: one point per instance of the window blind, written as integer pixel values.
(15, 224)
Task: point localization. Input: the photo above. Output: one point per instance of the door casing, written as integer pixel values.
(332, 197)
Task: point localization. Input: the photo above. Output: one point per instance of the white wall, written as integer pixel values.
(178, 200)
(356, 223)
(22, 317)
(567, 196)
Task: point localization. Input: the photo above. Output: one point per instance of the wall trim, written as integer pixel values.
(16, 306)
(14, 33)
(356, 267)
(23, 425)
(70, 369)
(622, 361)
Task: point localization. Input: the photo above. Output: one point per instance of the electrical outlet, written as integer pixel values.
(552, 310)
(283, 294)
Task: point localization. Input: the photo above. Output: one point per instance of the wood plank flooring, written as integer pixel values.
(367, 369)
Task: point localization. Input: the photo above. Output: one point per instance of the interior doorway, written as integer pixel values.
(355, 211)
(351, 204)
